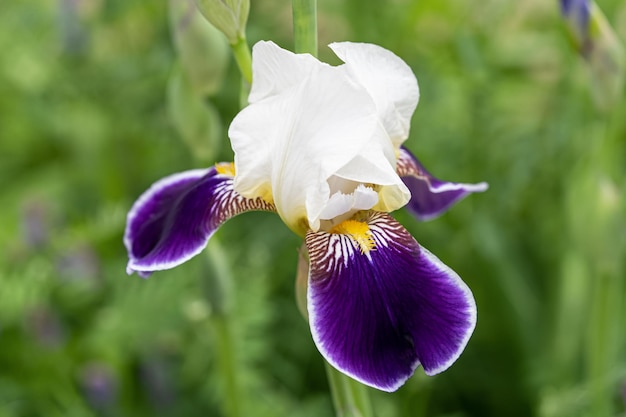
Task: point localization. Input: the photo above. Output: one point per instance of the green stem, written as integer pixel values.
(601, 355)
(243, 58)
(219, 294)
(219, 279)
(227, 364)
(305, 26)
(350, 398)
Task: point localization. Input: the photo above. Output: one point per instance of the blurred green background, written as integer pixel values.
(93, 110)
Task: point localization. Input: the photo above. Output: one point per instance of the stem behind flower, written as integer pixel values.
(243, 58)
(305, 26)
(350, 398)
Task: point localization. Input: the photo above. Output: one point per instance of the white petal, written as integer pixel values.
(362, 198)
(388, 79)
(275, 70)
(291, 143)
(369, 167)
(306, 124)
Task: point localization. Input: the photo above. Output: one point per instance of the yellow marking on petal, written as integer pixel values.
(301, 227)
(359, 231)
(225, 168)
(228, 169)
(265, 193)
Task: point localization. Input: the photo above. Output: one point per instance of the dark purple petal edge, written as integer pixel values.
(430, 197)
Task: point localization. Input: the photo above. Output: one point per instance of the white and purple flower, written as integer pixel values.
(320, 146)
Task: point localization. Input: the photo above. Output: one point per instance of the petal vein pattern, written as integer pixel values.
(376, 316)
(174, 219)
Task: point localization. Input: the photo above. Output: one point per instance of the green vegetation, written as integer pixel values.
(93, 109)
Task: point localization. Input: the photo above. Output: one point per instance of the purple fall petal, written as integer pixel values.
(174, 219)
(377, 315)
(430, 197)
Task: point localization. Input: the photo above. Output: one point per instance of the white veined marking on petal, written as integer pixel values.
(385, 232)
(231, 203)
(330, 252)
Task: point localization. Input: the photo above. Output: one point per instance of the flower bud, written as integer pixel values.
(596, 41)
(203, 51)
(577, 14)
(229, 16)
(196, 120)
(607, 62)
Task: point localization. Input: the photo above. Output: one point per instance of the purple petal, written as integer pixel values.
(376, 315)
(430, 197)
(173, 221)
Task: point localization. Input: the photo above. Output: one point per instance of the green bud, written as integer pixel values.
(196, 120)
(203, 51)
(607, 62)
(596, 212)
(229, 16)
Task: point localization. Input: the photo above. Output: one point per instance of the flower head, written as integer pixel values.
(321, 146)
(314, 134)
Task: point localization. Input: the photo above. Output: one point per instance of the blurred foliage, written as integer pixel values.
(85, 127)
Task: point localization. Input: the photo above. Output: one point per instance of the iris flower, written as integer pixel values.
(320, 145)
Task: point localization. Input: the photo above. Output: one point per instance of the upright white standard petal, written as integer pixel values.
(388, 79)
(301, 132)
(275, 70)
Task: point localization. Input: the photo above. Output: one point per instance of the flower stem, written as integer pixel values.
(305, 26)
(350, 398)
(243, 58)
(605, 335)
(227, 365)
(219, 293)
